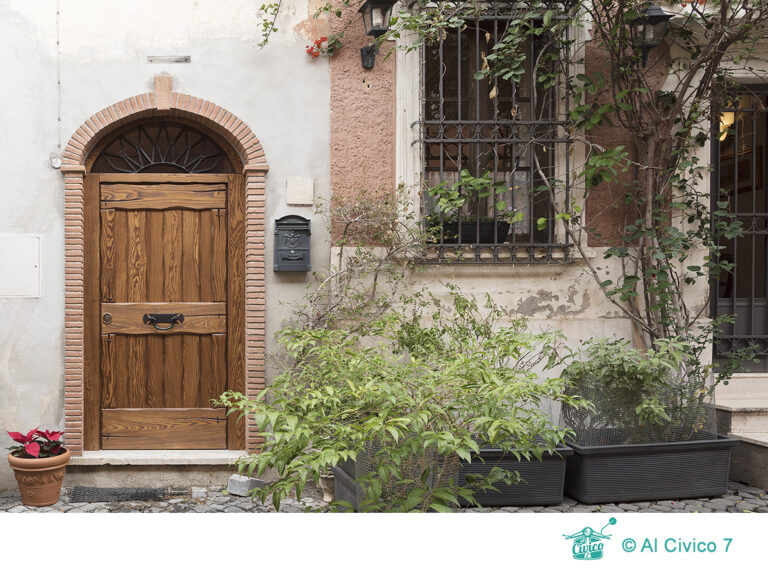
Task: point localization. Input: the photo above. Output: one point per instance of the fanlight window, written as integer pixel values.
(162, 147)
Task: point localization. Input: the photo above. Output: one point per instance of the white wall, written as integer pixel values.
(280, 92)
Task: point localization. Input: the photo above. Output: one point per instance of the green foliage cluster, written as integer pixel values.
(462, 196)
(638, 396)
(416, 391)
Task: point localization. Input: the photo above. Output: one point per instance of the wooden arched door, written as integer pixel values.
(164, 291)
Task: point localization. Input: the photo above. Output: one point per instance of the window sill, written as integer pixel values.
(500, 254)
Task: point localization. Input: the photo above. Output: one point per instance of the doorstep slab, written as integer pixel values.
(157, 457)
(756, 438)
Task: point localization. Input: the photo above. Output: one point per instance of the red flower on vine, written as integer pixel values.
(316, 48)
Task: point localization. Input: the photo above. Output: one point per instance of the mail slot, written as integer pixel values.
(292, 244)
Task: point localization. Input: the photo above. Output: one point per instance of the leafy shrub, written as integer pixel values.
(416, 390)
(638, 396)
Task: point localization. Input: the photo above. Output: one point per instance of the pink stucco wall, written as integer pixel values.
(362, 113)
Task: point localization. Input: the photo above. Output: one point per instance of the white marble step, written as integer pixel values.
(746, 398)
(743, 393)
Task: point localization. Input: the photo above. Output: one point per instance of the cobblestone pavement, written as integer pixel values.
(739, 499)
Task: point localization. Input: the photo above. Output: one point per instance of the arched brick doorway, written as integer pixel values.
(244, 152)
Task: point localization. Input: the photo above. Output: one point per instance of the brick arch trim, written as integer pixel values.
(206, 113)
(247, 146)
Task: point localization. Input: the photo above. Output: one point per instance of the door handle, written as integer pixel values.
(169, 319)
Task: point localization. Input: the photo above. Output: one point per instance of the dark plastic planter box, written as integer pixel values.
(541, 484)
(345, 487)
(649, 472)
(470, 234)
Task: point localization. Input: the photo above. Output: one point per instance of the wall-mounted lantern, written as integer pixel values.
(648, 30)
(376, 16)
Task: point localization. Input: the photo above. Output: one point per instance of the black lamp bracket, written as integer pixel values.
(368, 55)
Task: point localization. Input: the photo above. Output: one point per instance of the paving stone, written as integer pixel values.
(175, 501)
(718, 504)
(199, 493)
(628, 507)
(92, 507)
(661, 508)
(611, 509)
(17, 509)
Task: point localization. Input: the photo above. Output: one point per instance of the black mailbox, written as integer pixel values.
(292, 244)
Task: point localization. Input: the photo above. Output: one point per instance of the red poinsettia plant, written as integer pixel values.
(37, 444)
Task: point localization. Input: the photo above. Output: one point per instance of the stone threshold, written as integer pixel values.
(157, 457)
(756, 438)
(754, 406)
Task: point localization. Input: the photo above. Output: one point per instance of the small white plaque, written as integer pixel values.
(300, 191)
(19, 266)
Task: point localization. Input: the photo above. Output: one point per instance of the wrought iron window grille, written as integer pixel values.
(739, 156)
(516, 131)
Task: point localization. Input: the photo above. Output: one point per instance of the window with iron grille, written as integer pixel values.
(510, 132)
(739, 154)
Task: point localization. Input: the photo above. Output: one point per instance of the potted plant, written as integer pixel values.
(394, 408)
(458, 211)
(38, 462)
(651, 433)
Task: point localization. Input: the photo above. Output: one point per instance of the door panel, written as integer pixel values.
(199, 317)
(164, 250)
(179, 428)
(164, 196)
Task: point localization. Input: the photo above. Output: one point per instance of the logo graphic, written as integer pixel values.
(588, 543)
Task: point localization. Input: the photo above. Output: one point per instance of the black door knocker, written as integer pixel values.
(170, 319)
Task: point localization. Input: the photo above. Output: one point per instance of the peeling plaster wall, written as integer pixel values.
(278, 91)
(555, 297)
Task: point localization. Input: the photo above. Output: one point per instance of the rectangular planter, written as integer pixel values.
(541, 484)
(649, 472)
(345, 487)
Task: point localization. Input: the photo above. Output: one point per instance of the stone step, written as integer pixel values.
(743, 393)
(747, 421)
(742, 413)
(749, 460)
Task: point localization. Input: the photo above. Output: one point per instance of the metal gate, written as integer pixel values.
(739, 149)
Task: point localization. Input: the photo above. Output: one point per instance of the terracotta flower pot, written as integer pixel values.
(39, 479)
